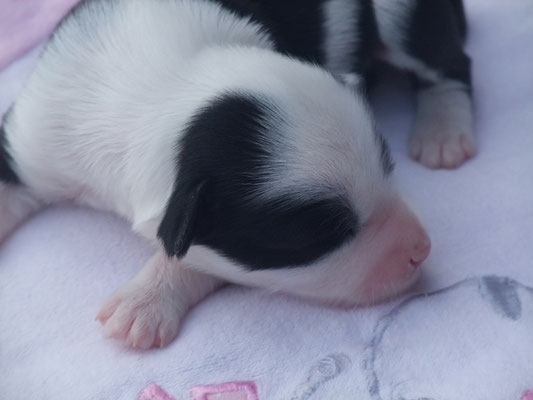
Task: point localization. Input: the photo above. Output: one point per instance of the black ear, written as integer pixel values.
(178, 226)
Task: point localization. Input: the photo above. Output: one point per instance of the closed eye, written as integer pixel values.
(283, 232)
(386, 160)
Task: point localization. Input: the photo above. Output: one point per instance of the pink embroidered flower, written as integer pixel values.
(154, 392)
(528, 395)
(243, 390)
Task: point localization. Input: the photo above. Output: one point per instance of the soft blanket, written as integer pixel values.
(465, 332)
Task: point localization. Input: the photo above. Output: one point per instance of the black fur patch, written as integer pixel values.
(7, 175)
(461, 17)
(386, 160)
(178, 227)
(435, 36)
(297, 26)
(368, 38)
(226, 150)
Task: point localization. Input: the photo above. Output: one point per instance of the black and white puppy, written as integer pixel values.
(210, 126)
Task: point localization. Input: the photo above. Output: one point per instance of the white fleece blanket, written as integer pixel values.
(470, 336)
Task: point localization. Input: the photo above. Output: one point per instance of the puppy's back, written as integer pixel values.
(105, 94)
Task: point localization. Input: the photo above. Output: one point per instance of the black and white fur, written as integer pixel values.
(421, 37)
(212, 128)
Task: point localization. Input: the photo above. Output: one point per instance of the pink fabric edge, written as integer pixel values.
(202, 391)
(154, 392)
(32, 23)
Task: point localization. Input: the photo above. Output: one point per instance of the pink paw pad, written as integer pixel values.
(243, 390)
(154, 392)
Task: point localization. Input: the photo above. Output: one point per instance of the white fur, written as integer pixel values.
(392, 17)
(101, 116)
(341, 36)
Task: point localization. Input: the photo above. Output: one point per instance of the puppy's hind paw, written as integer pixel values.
(443, 132)
(441, 151)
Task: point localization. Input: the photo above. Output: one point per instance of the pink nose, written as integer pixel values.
(421, 249)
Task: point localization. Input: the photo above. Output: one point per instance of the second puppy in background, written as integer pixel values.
(424, 38)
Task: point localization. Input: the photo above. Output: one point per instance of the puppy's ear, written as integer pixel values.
(178, 226)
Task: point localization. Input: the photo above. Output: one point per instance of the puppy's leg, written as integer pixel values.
(148, 310)
(426, 38)
(16, 205)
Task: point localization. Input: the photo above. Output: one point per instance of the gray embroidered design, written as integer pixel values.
(325, 370)
(501, 294)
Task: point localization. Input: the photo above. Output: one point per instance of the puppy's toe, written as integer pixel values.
(166, 332)
(441, 150)
(430, 154)
(452, 153)
(108, 308)
(415, 148)
(468, 144)
(142, 332)
(119, 323)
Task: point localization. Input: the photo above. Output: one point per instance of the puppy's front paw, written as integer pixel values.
(441, 149)
(148, 310)
(142, 314)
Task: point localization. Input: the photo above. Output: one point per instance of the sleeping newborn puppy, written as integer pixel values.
(240, 163)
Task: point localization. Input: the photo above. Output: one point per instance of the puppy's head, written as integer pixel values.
(287, 187)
